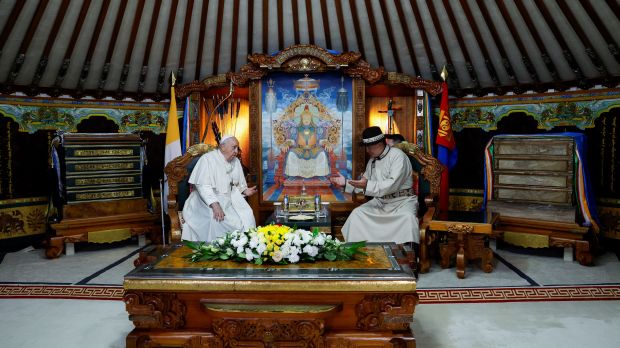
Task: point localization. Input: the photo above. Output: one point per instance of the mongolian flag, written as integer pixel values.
(447, 153)
(173, 140)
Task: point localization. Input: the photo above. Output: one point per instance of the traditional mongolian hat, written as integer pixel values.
(371, 136)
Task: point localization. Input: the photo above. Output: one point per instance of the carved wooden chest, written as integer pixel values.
(533, 191)
(100, 190)
(533, 169)
(100, 167)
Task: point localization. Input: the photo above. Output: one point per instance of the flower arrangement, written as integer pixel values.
(276, 244)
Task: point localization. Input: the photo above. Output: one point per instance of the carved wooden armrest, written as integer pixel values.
(176, 170)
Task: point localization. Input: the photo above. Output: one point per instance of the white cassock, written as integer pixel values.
(385, 219)
(216, 180)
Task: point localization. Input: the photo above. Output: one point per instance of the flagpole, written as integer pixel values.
(161, 209)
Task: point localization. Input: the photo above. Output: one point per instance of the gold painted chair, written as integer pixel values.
(427, 171)
(178, 172)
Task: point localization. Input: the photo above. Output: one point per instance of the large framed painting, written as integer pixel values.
(306, 134)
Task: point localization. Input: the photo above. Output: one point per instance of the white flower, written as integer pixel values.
(297, 240)
(285, 249)
(277, 256)
(240, 249)
(254, 241)
(261, 248)
(243, 240)
(311, 250)
(292, 250)
(293, 258)
(249, 255)
(319, 240)
(306, 236)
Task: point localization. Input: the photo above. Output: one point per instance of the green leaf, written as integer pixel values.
(330, 256)
(191, 245)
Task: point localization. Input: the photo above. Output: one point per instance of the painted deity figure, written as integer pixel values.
(306, 156)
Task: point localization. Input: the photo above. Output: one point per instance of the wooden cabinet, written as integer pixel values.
(100, 190)
(533, 169)
(532, 188)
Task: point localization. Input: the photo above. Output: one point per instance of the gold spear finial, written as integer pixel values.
(444, 73)
(173, 79)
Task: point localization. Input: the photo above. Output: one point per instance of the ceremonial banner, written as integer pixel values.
(446, 153)
(173, 141)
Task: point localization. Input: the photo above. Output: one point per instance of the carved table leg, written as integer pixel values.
(487, 260)
(445, 251)
(425, 264)
(582, 253)
(460, 257)
(55, 247)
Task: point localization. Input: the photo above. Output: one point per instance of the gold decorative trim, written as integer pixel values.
(104, 152)
(104, 181)
(323, 58)
(154, 284)
(103, 166)
(104, 195)
(526, 240)
(431, 167)
(460, 228)
(109, 236)
(15, 201)
(432, 87)
(269, 308)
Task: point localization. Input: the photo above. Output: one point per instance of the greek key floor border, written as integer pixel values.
(427, 296)
(62, 292)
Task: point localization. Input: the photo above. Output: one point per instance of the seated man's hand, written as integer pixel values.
(218, 213)
(250, 191)
(360, 184)
(338, 180)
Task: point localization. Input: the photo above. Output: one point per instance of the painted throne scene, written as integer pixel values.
(306, 134)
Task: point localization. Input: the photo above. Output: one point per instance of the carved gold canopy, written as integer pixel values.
(308, 59)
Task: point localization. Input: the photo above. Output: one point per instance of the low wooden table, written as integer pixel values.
(368, 302)
(466, 235)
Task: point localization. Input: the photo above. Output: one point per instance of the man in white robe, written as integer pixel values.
(217, 203)
(391, 216)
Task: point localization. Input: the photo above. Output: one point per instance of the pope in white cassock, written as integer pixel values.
(391, 216)
(217, 203)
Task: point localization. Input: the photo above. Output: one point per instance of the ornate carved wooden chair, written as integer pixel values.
(178, 172)
(427, 171)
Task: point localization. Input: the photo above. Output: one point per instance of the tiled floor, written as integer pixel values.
(97, 323)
